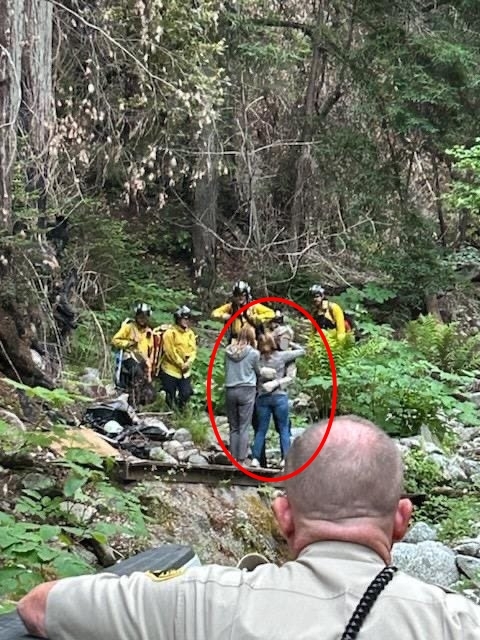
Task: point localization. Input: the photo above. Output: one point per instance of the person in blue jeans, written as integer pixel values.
(272, 397)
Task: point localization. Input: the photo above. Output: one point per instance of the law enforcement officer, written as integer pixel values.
(339, 517)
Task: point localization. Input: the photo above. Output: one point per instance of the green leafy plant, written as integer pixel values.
(386, 381)
(443, 345)
(38, 540)
(421, 473)
(456, 518)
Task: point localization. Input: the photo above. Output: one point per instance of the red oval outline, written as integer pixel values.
(209, 387)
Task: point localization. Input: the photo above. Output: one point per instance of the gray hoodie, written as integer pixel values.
(277, 362)
(241, 366)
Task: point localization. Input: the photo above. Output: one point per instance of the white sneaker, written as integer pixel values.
(255, 463)
(282, 464)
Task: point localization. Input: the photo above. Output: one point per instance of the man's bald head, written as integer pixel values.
(357, 474)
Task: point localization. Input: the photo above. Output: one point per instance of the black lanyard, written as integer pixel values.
(367, 601)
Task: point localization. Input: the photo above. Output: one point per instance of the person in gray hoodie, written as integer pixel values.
(241, 370)
(272, 396)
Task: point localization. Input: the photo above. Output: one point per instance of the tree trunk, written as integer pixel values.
(438, 201)
(38, 112)
(431, 304)
(11, 36)
(204, 225)
(305, 165)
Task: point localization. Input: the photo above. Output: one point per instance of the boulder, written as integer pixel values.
(470, 567)
(420, 532)
(429, 561)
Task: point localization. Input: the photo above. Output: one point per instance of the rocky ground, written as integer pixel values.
(457, 564)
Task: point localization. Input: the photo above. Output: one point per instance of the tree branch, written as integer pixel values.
(284, 24)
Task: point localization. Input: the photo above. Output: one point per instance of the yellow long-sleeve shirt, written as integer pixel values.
(179, 348)
(258, 313)
(331, 319)
(131, 337)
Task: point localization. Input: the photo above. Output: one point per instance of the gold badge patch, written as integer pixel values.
(159, 576)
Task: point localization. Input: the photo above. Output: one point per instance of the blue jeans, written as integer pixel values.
(275, 404)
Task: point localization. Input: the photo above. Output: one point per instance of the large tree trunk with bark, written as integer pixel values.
(11, 36)
(38, 112)
(305, 165)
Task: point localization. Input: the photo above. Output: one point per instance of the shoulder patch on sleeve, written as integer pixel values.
(159, 576)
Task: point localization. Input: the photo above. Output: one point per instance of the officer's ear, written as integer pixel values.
(283, 514)
(402, 519)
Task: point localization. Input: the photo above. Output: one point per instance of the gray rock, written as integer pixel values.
(431, 447)
(420, 532)
(219, 457)
(467, 434)
(85, 554)
(430, 440)
(11, 419)
(82, 512)
(172, 447)
(13, 440)
(469, 547)
(157, 453)
(451, 466)
(188, 444)
(410, 443)
(185, 454)
(38, 482)
(475, 479)
(196, 458)
(470, 567)
(471, 467)
(429, 561)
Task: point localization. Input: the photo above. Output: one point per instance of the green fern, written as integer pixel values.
(443, 345)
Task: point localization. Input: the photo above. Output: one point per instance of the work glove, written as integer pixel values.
(270, 386)
(268, 373)
(226, 316)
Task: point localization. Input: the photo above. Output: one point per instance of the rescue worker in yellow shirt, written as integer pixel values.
(134, 344)
(256, 315)
(329, 315)
(179, 350)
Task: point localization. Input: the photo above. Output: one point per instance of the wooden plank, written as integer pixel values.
(213, 474)
(85, 438)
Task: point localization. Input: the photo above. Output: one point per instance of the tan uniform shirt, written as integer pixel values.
(309, 599)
